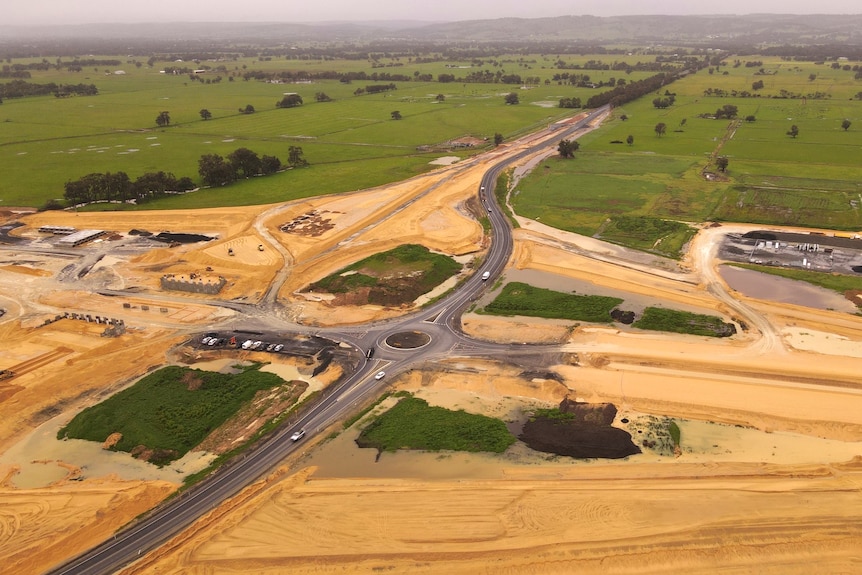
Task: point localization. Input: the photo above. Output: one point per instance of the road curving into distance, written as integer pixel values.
(441, 321)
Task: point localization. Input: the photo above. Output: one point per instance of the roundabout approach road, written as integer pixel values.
(440, 321)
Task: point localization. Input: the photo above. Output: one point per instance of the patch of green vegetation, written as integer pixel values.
(648, 234)
(552, 413)
(767, 205)
(501, 193)
(399, 275)
(170, 410)
(675, 321)
(413, 424)
(518, 298)
(836, 282)
(674, 431)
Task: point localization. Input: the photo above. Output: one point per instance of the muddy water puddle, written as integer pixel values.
(701, 442)
(39, 455)
(783, 290)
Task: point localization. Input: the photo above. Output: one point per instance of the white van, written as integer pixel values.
(486, 275)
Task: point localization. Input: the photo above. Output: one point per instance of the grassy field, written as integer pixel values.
(413, 424)
(169, 411)
(351, 142)
(397, 276)
(772, 178)
(518, 298)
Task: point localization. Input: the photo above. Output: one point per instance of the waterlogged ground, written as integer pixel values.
(784, 290)
(701, 442)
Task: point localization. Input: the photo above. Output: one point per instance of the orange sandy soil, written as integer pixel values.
(650, 518)
(40, 528)
(795, 370)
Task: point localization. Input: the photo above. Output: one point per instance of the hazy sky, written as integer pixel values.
(28, 12)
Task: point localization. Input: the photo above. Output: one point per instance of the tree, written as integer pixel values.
(512, 98)
(244, 163)
(662, 103)
(721, 163)
(567, 148)
(396, 115)
(660, 129)
(249, 109)
(269, 164)
(793, 132)
(440, 98)
(289, 101)
(630, 140)
(624, 117)
(498, 139)
(750, 118)
(845, 124)
(215, 170)
(294, 157)
(757, 85)
(163, 119)
(205, 114)
(728, 111)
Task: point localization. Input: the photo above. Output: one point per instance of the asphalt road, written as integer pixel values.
(441, 321)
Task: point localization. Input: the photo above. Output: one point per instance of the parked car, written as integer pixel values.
(247, 344)
(270, 347)
(380, 375)
(279, 347)
(206, 340)
(257, 344)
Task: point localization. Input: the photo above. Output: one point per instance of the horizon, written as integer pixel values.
(54, 13)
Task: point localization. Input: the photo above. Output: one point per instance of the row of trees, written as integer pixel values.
(570, 103)
(214, 170)
(21, 89)
(242, 163)
(630, 91)
(118, 187)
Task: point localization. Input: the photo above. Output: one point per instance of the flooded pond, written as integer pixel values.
(783, 290)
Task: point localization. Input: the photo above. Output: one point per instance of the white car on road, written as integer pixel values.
(298, 435)
(380, 375)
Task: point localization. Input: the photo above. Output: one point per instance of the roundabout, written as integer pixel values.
(408, 340)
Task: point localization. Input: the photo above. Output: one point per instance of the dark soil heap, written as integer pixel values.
(580, 430)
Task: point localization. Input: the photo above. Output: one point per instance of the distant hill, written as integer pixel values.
(752, 29)
(684, 30)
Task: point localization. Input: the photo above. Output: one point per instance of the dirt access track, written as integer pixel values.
(792, 373)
